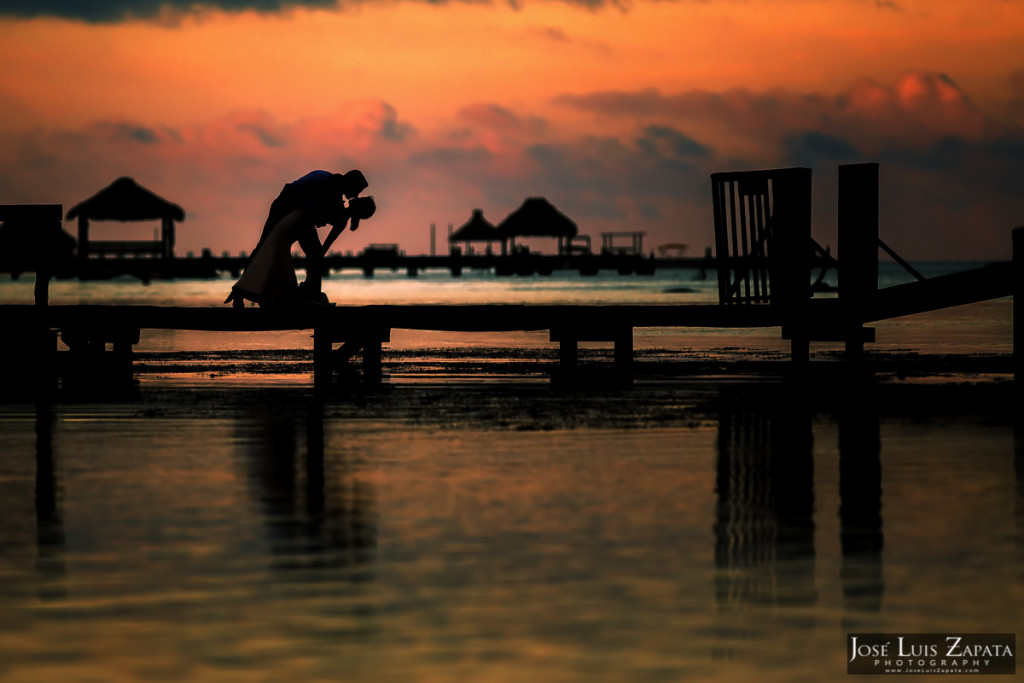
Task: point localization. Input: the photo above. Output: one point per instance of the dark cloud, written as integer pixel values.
(501, 119)
(601, 179)
(950, 174)
(450, 156)
(112, 11)
(108, 11)
(266, 137)
(950, 171)
(814, 148)
(672, 145)
(140, 134)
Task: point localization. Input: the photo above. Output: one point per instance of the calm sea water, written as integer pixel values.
(446, 530)
(486, 533)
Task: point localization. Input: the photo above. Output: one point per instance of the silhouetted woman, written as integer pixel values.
(315, 200)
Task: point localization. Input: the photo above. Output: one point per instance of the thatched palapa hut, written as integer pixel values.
(537, 217)
(476, 229)
(126, 200)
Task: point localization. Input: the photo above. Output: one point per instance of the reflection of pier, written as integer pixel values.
(766, 513)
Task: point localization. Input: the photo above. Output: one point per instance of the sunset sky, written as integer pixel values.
(617, 112)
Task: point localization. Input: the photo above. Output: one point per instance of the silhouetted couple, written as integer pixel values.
(316, 199)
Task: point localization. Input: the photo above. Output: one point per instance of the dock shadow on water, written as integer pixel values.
(731, 531)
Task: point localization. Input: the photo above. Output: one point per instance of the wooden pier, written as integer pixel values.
(764, 260)
(107, 263)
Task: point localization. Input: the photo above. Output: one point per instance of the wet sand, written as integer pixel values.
(502, 388)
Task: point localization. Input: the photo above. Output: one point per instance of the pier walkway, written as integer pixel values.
(103, 336)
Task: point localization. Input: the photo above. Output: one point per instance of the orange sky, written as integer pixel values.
(616, 114)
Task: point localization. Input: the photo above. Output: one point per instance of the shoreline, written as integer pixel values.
(649, 363)
(492, 391)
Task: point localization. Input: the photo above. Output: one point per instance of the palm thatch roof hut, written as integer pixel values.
(476, 229)
(537, 217)
(126, 200)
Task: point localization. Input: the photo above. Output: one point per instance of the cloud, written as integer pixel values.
(813, 148)
(667, 143)
(113, 11)
(110, 11)
(945, 163)
(949, 171)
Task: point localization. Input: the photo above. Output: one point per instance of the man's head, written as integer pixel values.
(352, 183)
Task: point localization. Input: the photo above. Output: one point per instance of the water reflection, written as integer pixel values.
(860, 508)
(317, 514)
(764, 528)
(1018, 470)
(49, 521)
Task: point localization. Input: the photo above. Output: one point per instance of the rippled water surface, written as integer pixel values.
(417, 535)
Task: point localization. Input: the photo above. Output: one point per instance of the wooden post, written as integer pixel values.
(373, 374)
(790, 254)
(83, 237)
(858, 249)
(1018, 307)
(568, 355)
(323, 369)
(624, 353)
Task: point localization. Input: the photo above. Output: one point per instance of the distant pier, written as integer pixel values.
(208, 266)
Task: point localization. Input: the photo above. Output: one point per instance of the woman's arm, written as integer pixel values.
(336, 230)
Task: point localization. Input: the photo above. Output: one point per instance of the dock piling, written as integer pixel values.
(858, 250)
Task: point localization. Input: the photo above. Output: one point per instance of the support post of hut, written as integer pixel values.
(167, 237)
(858, 250)
(83, 237)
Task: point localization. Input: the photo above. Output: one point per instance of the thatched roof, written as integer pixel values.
(477, 229)
(537, 218)
(126, 200)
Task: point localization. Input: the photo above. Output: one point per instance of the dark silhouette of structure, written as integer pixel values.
(477, 229)
(125, 200)
(537, 217)
(32, 240)
(765, 259)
